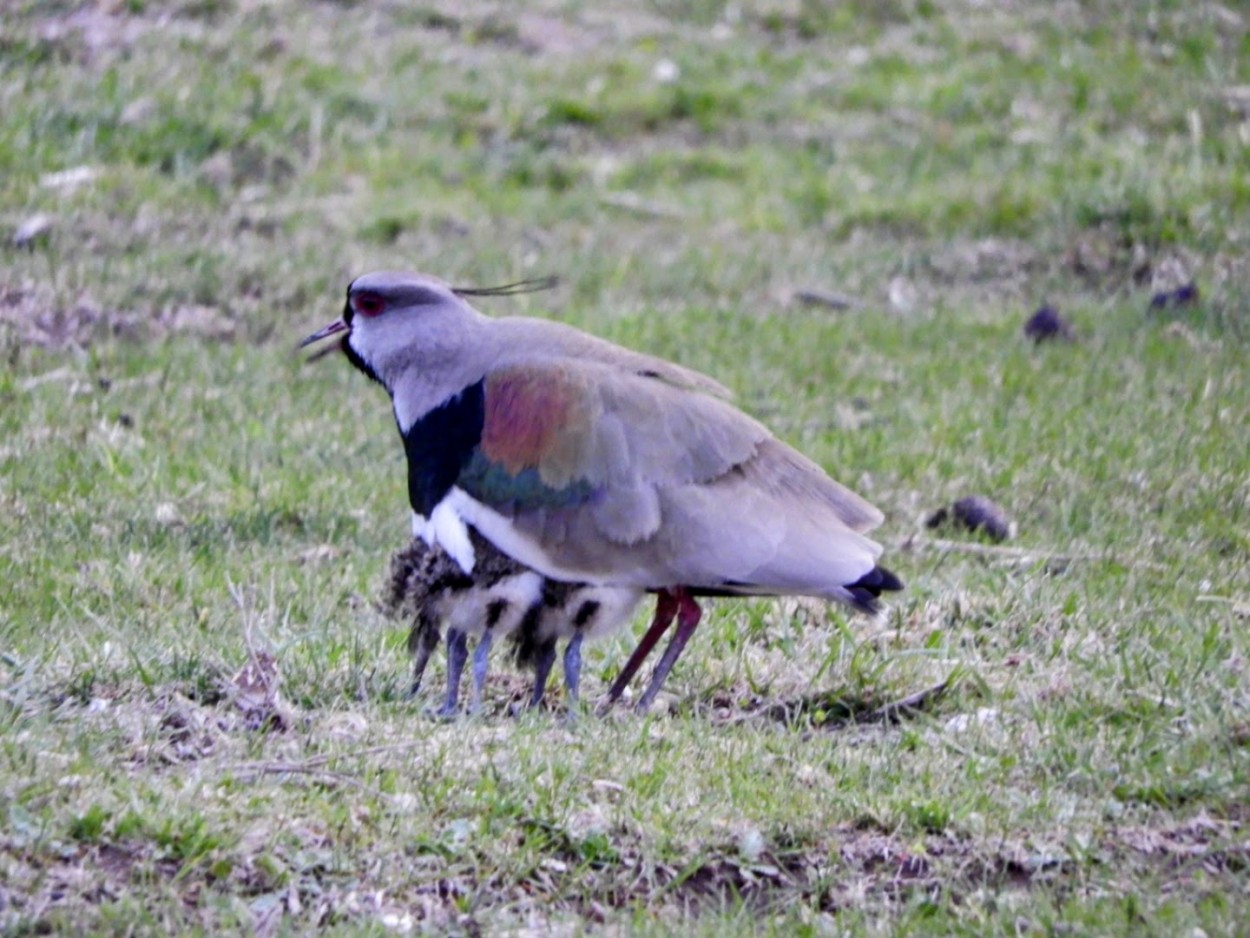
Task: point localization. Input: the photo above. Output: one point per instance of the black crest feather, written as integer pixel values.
(537, 285)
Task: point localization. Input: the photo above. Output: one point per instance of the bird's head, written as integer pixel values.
(395, 321)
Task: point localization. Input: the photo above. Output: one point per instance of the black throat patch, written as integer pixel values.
(355, 359)
(440, 444)
(346, 345)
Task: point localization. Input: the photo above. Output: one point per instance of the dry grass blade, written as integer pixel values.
(896, 711)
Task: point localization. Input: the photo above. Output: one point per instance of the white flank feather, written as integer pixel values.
(499, 531)
(446, 529)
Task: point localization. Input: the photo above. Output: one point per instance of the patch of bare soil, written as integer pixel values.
(93, 30)
(95, 34)
(990, 260)
(32, 316)
(543, 33)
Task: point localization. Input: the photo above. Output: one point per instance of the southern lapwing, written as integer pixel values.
(588, 462)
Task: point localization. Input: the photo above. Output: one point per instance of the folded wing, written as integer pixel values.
(616, 474)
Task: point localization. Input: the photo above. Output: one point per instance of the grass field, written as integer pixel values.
(187, 187)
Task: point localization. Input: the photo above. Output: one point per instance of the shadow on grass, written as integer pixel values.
(830, 710)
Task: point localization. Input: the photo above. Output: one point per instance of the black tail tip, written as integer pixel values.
(866, 591)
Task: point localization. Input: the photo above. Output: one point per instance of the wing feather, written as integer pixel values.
(589, 421)
(610, 475)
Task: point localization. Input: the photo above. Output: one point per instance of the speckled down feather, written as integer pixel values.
(427, 587)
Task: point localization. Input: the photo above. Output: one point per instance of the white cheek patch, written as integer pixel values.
(447, 530)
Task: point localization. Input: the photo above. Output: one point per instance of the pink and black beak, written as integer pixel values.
(334, 328)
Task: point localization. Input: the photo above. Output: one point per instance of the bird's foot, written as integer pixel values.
(444, 713)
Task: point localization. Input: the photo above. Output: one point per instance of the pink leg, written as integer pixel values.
(666, 605)
(688, 615)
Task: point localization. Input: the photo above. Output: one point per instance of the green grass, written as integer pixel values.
(178, 489)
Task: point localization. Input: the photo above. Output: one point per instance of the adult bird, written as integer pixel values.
(588, 462)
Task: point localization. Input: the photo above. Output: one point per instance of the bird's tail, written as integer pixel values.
(865, 593)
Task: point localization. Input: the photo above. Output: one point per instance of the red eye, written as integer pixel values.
(368, 304)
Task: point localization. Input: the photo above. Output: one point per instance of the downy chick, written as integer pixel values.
(427, 585)
(572, 611)
(500, 597)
